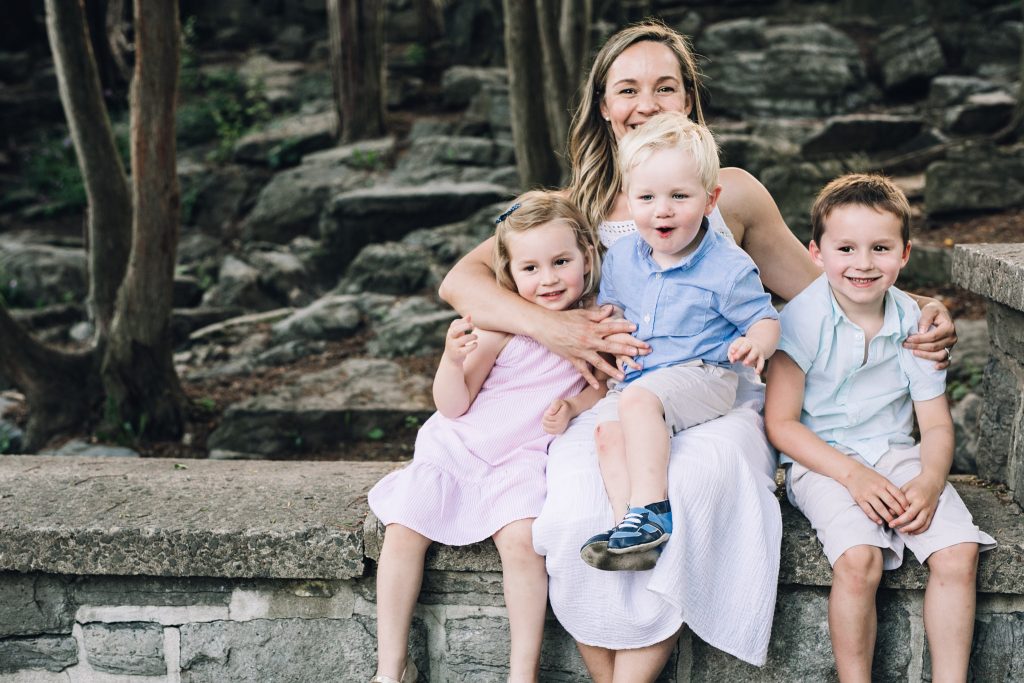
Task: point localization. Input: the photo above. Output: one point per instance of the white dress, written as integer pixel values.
(719, 572)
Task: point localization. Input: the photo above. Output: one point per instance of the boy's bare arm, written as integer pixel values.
(937, 443)
(878, 497)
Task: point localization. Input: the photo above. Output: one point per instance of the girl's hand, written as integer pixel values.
(936, 335)
(923, 493)
(460, 340)
(878, 497)
(556, 417)
(625, 362)
(748, 351)
(581, 335)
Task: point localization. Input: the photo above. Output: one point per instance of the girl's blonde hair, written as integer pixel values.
(671, 130)
(533, 209)
(592, 146)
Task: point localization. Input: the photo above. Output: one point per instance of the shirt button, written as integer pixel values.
(658, 276)
(647, 318)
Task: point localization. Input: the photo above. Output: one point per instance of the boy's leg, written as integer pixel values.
(646, 440)
(526, 595)
(611, 459)
(852, 620)
(949, 603)
(399, 576)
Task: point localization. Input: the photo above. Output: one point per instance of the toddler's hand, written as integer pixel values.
(460, 340)
(556, 417)
(923, 494)
(623, 363)
(748, 351)
(878, 497)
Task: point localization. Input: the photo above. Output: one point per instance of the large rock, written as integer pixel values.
(950, 90)
(794, 70)
(985, 112)
(794, 187)
(385, 213)
(332, 317)
(49, 653)
(324, 410)
(34, 275)
(33, 604)
(453, 158)
(127, 648)
(390, 268)
(284, 141)
(239, 285)
(414, 327)
(909, 55)
(459, 84)
(976, 177)
(212, 197)
(862, 133)
(752, 152)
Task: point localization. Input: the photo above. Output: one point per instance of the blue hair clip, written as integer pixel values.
(507, 213)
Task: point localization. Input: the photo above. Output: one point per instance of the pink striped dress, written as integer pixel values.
(472, 475)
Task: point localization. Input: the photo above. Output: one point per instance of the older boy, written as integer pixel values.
(840, 402)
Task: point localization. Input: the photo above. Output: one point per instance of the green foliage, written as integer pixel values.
(412, 422)
(416, 55)
(206, 404)
(120, 430)
(375, 434)
(367, 160)
(218, 104)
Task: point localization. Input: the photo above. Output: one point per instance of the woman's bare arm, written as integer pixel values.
(577, 335)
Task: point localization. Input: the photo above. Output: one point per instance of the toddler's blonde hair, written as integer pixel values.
(671, 130)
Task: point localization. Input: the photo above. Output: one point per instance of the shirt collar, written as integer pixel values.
(644, 250)
(891, 320)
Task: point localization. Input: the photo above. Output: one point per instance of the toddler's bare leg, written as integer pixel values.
(949, 603)
(852, 621)
(647, 446)
(399, 576)
(611, 459)
(526, 597)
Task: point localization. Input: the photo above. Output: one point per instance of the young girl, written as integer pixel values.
(479, 464)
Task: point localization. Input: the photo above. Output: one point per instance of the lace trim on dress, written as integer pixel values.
(610, 232)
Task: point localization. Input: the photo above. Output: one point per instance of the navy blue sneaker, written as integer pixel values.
(642, 529)
(595, 553)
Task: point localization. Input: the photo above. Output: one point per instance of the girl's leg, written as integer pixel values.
(646, 438)
(600, 662)
(643, 665)
(949, 603)
(611, 459)
(852, 621)
(399, 576)
(526, 597)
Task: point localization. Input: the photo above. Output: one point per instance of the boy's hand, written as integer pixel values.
(460, 340)
(923, 493)
(556, 417)
(748, 351)
(878, 497)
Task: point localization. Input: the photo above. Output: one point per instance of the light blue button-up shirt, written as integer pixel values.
(691, 311)
(852, 404)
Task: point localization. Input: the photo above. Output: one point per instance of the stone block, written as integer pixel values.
(126, 648)
(146, 591)
(909, 54)
(894, 642)
(462, 588)
(32, 604)
(986, 178)
(998, 650)
(1006, 325)
(861, 133)
(994, 271)
(51, 653)
(1002, 398)
(293, 600)
(390, 268)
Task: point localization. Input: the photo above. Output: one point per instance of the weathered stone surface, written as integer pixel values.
(445, 157)
(946, 90)
(981, 113)
(862, 133)
(50, 653)
(32, 604)
(324, 410)
(966, 426)
(332, 317)
(794, 187)
(908, 54)
(998, 650)
(390, 268)
(156, 517)
(894, 643)
(150, 591)
(126, 648)
(414, 327)
(239, 285)
(979, 178)
(998, 415)
(382, 213)
(293, 600)
(284, 141)
(928, 266)
(214, 197)
(462, 588)
(282, 275)
(753, 153)
(994, 271)
(33, 275)
(80, 447)
(1007, 329)
(285, 650)
(795, 70)
(459, 84)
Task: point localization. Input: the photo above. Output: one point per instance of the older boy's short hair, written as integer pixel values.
(671, 130)
(861, 189)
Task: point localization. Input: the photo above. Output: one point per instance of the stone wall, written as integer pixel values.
(127, 570)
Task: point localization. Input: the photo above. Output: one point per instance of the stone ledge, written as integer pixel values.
(994, 271)
(309, 520)
(107, 516)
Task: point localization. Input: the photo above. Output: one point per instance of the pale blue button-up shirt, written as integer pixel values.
(864, 406)
(691, 311)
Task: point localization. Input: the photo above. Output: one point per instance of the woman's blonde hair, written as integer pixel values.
(671, 130)
(592, 146)
(533, 209)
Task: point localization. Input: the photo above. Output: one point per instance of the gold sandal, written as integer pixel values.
(408, 676)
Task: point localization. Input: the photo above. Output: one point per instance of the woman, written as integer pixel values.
(718, 574)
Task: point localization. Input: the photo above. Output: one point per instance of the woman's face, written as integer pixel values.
(642, 81)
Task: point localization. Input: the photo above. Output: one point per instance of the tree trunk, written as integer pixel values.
(356, 37)
(138, 370)
(535, 157)
(574, 38)
(59, 387)
(557, 88)
(109, 214)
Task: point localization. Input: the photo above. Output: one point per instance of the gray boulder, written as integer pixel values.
(332, 317)
(414, 327)
(966, 419)
(214, 197)
(460, 84)
(452, 158)
(908, 55)
(868, 133)
(794, 187)
(238, 285)
(752, 152)
(976, 177)
(285, 141)
(33, 275)
(283, 276)
(985, 112)
(949, 90)
(788, 70)
(390, 268)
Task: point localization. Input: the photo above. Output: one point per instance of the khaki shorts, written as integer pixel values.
(841, 524)
(690, 394)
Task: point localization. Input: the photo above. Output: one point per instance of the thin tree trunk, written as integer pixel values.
(109, 214)
(138, 370)
(535, 158)
(356, 39)
(557, 88)
(120, 48)
(574, 38)
(58, 386)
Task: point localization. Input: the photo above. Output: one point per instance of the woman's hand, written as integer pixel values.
(581, 335)
(936, 334)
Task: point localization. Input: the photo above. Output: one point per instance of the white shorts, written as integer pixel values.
(841, 524)
(690, 394)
